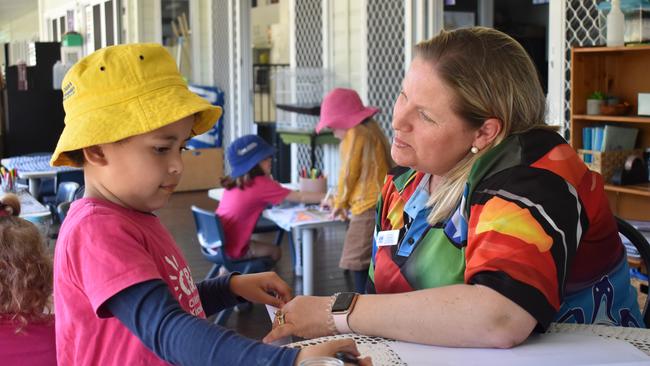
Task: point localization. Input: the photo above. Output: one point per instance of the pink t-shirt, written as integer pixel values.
(102, 249)
(33, 346)
(239, 210)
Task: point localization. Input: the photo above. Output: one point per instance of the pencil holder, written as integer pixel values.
(318, 185)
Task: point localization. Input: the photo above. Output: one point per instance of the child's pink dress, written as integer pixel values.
(33, 346)
(239, 210)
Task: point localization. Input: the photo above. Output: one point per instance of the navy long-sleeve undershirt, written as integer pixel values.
(151, 313)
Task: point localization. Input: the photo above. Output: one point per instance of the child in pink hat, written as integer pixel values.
(365, 160)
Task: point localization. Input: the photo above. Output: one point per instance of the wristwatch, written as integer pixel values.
(342, 307)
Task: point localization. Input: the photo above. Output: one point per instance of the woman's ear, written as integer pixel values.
(94, 155)
(487, 133)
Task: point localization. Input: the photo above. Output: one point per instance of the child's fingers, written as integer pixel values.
(346, 345)
(280, 288)
(266, 298)
(278, 332)
(366, 361)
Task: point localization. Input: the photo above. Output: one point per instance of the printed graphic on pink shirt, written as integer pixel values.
(184, 287)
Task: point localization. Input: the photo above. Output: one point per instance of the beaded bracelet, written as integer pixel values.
(330, 318)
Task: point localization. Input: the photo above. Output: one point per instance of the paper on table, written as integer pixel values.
(541, 349)
(288, 217)
(282, 341)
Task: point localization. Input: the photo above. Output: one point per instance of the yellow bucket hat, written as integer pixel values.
(122, 91)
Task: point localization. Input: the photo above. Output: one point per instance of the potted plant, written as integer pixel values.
(595, 100)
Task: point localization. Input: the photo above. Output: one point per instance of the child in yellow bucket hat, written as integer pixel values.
(120, 281)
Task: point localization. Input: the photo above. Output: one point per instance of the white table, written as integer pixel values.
(303, 236)
(562, 344)
(34, 168)
(34, 211)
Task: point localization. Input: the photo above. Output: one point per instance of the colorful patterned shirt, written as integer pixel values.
(534, 224)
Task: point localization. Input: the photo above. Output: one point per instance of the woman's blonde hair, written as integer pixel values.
(369, 130)
(25, 268)
(490, 75)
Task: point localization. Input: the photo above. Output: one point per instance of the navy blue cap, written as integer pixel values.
(246, 152)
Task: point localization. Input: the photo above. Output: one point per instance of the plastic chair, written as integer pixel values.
(210, 234)
(63, 207)
(642, 245)
(76, 175)
(79, 193)
(64, 193)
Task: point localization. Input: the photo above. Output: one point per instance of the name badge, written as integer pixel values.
(388, 237)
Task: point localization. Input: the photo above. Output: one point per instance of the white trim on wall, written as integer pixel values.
(422, 20)
(196, 41)
(292, 63)
(231, 70)
(328, 55)
(364, 55)
(408, 33)
(245, 84)
(157, 16)
(556, 68)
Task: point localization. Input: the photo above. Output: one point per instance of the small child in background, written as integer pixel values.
(250, 189)
(26, 323)
(123, 291)
(365, 160)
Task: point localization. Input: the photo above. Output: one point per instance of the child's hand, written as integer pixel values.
(258, 287)
(340, 213)
(328, 349)
(327, 203)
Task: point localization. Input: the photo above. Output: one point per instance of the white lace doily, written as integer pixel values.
(382, 354)
(376, 347)
(639, 338)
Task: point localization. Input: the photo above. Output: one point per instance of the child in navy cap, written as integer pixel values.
(249, 190)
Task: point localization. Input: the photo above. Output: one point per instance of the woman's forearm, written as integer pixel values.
(455, 316)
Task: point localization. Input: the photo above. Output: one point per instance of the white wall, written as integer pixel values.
(24, 28)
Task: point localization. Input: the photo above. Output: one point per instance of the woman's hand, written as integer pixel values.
(304, 316)
(328, 349)
(260, 287)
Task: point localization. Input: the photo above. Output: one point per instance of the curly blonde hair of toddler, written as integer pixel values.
(25, 268)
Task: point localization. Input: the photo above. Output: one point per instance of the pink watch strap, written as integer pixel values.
(341, 323)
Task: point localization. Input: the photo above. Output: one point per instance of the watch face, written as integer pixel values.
(343, 301)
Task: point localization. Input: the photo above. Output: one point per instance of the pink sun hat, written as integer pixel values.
(342, 108)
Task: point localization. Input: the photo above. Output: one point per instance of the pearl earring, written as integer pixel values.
(474, 149)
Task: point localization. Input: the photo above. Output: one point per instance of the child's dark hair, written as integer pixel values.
(77, 156)
(243, 181)
(25, 268)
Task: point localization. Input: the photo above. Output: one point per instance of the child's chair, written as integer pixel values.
(643, 247)
(210, 235)
(64, 193)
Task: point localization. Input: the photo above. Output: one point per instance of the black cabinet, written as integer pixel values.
(33, 117)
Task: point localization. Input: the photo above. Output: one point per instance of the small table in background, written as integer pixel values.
(34, 167)
(34, 211)
(301, 222)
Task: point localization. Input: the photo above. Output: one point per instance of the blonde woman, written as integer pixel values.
(492, 227)
(365, 160)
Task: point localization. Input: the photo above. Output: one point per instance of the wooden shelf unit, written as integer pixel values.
(623, 72)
